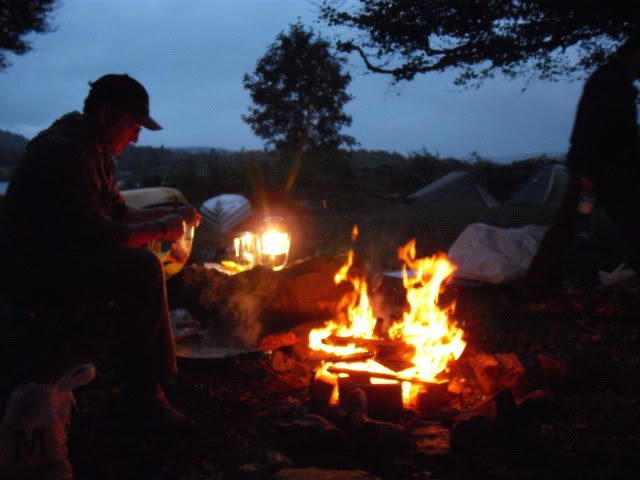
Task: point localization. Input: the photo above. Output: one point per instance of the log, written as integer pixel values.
(431, 402)
(384, 376)
(393, 354)
(372, 343)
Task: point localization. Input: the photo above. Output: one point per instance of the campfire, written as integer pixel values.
(413, 352)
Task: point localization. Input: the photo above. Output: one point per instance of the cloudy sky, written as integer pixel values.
(191, 55)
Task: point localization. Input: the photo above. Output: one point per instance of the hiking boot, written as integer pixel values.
(151, 409)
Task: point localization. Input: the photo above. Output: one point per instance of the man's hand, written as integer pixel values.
(175, 227)
(189, 215)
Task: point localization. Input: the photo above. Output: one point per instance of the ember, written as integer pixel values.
(424, 340)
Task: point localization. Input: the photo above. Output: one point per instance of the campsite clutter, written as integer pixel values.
(271, 405)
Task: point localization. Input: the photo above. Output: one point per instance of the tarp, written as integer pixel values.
(495, 255)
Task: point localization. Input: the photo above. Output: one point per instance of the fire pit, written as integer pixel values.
(402, 362)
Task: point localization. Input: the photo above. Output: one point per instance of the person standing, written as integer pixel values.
(603, 159)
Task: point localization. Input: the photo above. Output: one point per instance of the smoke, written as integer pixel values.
(244, 309)
(250, 296)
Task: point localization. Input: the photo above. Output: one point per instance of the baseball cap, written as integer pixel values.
(123, 91)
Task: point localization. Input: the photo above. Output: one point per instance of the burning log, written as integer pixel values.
(370, 343)
(394, 354)
(383, 376)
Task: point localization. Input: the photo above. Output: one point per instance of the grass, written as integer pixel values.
(384, 225)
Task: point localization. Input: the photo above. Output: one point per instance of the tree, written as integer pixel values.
(299, 91)
(545, 39)
(17, 19)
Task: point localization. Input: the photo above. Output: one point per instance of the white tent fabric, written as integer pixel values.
(223, 212)
(545, 187)
(455, 188)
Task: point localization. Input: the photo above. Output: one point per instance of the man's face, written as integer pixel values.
(119, 132)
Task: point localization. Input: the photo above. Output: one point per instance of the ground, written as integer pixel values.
(588, 429)
(255, 422)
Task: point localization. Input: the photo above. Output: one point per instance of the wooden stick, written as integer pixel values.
(366, 342)
(385, 376)
(353, 357)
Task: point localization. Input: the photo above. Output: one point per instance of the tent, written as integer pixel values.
(455, 188)
(544, 188)
(223, 212)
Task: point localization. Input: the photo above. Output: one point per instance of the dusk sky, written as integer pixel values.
(192, 54)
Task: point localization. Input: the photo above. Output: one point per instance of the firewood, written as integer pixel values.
(384, 376)
(431, 402)
(380, 400)
(371, 343)
(320, 394)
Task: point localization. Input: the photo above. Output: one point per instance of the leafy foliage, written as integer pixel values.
(17, 19)
(299, 91)
(547, 39)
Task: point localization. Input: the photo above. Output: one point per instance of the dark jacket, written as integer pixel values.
(605, 132)
(63, 198)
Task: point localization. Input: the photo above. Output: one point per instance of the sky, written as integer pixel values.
(191, 56)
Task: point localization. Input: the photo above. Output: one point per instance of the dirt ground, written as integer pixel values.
(255, 422)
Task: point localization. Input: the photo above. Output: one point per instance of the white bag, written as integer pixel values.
(495, 255)
(33, 433)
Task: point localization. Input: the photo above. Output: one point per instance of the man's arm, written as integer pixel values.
(168, 227)
(139, 215)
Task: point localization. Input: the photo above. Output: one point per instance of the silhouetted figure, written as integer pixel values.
(603, 159)
(71, 240)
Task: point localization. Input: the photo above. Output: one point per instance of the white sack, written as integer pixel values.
(495, 255)
(620, 274)
(33, 432)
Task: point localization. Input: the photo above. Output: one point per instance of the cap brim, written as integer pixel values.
(149, 123)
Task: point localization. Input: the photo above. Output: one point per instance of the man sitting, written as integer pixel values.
(73, 240)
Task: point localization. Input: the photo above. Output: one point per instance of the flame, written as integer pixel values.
(354, 233)
(273, 248)
(233, 267)
(274, 242)
(434, 338)
(269, 248)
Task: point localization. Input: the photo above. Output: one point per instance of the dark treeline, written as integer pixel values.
(201, 173)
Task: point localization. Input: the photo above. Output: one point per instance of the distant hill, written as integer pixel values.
(197, 150)
(11, 141)
(518, 158)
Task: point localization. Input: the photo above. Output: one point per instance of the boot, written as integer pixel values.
(149, 408)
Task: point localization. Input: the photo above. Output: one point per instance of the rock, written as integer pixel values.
(312, 432)
(473, 435)
(483, 425)
(497, 371)
(432, 439)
